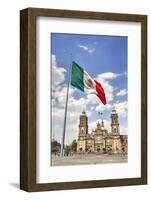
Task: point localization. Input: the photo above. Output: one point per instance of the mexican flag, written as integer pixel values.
(83, 81)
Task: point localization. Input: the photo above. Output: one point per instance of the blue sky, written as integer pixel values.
(105, 59)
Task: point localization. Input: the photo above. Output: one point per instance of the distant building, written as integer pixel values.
(100, 140)
(124, 143)
(55, 147)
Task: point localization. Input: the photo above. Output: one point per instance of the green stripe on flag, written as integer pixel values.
(77, 76)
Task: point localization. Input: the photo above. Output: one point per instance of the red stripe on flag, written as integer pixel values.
(100, 92)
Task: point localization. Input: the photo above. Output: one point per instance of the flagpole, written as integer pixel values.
(65, 113)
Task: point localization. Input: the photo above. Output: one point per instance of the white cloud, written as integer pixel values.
(122, 92)
(75, 106)
(83, 47)
(59, 91)
(92, 99)
(121, 108)
(108, 76)
(125, 73)
(102, 108)
(93, 125)
(91, 50)
(86, 48)
(60, 94)
(92, 108)
(58, 73)
(105, 79)
(108, 88)
(123, 130)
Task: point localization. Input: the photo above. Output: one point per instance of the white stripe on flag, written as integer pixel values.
(89, 84)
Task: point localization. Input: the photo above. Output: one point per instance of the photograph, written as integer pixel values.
(83, 99)
(89, 99)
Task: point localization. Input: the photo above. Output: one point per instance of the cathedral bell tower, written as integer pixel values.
(83, 126)
(114, 123)
(83, 131)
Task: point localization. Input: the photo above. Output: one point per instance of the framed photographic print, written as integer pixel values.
(83, 92)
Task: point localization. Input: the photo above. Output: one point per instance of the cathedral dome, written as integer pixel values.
(100, 125)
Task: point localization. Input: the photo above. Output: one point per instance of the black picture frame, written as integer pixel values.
(28, 98)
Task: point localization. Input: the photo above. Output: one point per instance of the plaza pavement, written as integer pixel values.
(79, 159)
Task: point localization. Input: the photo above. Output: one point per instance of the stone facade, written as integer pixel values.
(100, 140)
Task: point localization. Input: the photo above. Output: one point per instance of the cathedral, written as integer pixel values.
(100, 140)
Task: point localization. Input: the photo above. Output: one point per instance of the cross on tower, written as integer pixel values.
(100, 113)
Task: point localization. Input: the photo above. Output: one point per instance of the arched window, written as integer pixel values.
(114, 130)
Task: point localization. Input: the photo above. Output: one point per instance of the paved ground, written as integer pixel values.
(89, 159)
